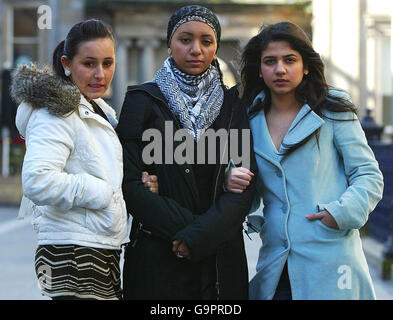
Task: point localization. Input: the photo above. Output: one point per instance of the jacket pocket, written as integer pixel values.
(107, 221)
(326, 229)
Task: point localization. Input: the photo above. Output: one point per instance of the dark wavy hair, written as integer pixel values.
(313, 89)
(81, 32)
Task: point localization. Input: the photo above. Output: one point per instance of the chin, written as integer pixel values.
(95, 95)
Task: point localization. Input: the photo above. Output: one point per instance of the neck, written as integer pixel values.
(284, 103)
(88, 99)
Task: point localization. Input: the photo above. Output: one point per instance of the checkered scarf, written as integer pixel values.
(195, 100)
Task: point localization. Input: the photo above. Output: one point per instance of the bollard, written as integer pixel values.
(5, 134)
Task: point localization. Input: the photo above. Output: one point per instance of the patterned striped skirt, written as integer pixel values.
(78, 272)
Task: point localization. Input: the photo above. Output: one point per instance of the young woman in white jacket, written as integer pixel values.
(72, 171)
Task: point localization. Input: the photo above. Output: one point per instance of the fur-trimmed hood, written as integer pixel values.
(41, 88)
(36, 88)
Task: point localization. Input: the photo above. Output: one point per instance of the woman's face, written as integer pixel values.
(93, 66)
(193, 47)
(282, 68)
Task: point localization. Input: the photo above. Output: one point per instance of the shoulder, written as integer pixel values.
(137, 108)
(41, 88)
(233, 101)
(334, 93)
(145, 91)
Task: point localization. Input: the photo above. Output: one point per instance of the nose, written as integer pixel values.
(195, 48)
(280, 67)
(99, 74)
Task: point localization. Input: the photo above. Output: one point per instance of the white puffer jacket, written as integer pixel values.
(72, 170)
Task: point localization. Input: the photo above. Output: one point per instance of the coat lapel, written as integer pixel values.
(305, 123)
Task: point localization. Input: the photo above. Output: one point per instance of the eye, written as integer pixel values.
(185, 40)
(107, 64)
(88, 64)
(207, 42)
(291, 60)
(269, 62)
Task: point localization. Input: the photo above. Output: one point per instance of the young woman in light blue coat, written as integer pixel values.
(318, 178)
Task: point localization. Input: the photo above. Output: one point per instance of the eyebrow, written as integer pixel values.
(286, 56)
(93, 58)
(191, 34)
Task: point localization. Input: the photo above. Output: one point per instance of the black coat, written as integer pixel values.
(218, 266)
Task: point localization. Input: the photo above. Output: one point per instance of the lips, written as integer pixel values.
(195, 62)
(281, 81)
(96, 87)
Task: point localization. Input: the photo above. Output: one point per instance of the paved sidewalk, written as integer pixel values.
(383, 288)
(17, 249)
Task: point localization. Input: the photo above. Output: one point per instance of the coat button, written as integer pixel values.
(284, 208)
(187, 170)
(278, 173)
(87, 113)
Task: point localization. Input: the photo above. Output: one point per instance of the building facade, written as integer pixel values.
(354, 39)
(140, 31)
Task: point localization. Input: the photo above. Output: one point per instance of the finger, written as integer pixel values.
(154, 190)
(175, 246)
(238, 191)
(241, 176)
(183, 249)
(315, 216)
(153, 178)
(145, 176)
(239, 182)
(245, 171)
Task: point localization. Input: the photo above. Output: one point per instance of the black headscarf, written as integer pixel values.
(193, 13)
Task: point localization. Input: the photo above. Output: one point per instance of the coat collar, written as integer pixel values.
(305, 123)
(86, 110)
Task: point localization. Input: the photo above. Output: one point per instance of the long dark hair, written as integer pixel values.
(313, 89)
(81, 32)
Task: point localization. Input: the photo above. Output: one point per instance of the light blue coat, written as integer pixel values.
(338, 173)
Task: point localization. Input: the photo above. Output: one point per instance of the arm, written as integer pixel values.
(365, 180)
(160, 214)
(224, 218)
(50, 141)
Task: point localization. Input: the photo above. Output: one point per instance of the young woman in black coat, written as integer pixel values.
(186, 240)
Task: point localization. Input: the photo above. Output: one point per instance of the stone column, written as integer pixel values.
(147, 65)
(120, 80)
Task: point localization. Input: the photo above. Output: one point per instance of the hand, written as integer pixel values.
(180, 249)
(238, 179)
(326, 218)
(150, 182)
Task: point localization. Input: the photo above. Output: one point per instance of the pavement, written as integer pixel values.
(18, 244)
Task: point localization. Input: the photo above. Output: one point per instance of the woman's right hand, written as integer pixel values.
(150, 181)
(238, 179)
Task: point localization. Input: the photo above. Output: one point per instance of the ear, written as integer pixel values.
(169, 51)
(65, 62)
(306, 71)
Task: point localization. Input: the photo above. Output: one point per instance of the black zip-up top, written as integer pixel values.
(218, 267)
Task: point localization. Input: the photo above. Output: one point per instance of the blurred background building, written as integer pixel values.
(352, 36)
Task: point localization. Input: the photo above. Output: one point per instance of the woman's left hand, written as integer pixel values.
(326, 218)
(180, 249)
(150, 181)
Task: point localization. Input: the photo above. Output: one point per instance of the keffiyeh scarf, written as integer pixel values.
(195, 100)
